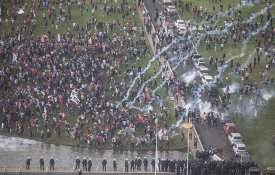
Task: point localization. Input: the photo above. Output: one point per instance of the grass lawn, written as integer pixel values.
(257, 135)
(205, 5)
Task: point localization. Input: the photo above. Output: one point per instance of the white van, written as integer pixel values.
(235, 138)
(167, 3)
(239, 149)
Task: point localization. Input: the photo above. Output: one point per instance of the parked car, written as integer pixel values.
(229, 128)
(199, 59)
(199, 63)
(270, 171)
(181, 26)
(206, 79)
(170, 9)
(239, 149)
(195, 57)
(167, 2)
(234, 138)
(179, 23)
(253, 171)
(225, 118)
(203, 71)
(245, 158)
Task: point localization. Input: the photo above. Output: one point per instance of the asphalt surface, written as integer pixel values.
(209, 136)
(215, 137)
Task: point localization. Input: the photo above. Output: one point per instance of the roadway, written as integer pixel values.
(209, 136)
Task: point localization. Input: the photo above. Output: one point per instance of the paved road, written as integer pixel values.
(209, 136)
(151, 7)
(215, 137)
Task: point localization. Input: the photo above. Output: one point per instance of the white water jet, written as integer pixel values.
(189, 76)
(144, 71)
(15, 143)
(232, 88)
(207, 108)
(267, 95)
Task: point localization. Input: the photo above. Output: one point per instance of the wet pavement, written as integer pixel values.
(14, 152)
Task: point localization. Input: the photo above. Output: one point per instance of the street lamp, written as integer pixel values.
(156, 153)
(187, 126)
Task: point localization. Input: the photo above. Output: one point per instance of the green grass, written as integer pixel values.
(206, 5)
(257, 135)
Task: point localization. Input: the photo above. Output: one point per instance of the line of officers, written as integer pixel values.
(41, 162)
(129, 165)
(136, 164)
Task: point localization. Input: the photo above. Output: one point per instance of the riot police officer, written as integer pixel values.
(90, 164)
(104, 163)
(114, 165)
(77, 163)
(153, 163)
(126, 165)
(52, 163)
(84, 164)
(136, 162)
(41, 161)
(139, 162)
(79, 172)
(132, 165)
(145, 163)
(28, 163)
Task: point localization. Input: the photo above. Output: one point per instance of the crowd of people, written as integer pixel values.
(49, 81)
